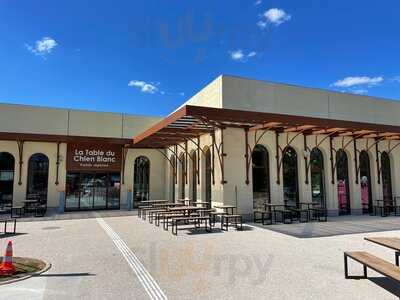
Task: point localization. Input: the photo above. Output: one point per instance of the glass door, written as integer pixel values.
(100, 191)
(87, 190)
(113, 190)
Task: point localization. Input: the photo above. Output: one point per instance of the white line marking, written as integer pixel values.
(150, 285)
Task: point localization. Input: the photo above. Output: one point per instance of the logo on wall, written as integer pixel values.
(101, 157)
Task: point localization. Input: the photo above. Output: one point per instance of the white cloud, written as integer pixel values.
(145, 87)
(358, 81)
(43, 47)
(274, 16)
(239, 55)
(359, 91)
(395, 79)
(236, 55)
(262, 24)
(258, 2)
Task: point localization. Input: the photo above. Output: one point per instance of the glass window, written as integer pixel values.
(141, 184)
(386, 177)
(260, 172)
(7, 164)
(172, 177)
(290, 177)
(38, 177)
(182, 178)
(87, 191)
(343, 188)
(317, 177)
(194, 176)
(208, 173)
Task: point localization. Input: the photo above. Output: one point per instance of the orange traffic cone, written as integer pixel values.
(7, 267)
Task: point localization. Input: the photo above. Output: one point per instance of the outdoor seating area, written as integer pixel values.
(185, 213)
(31, 206)
(287, 214)
(376, 263)
(387, 207)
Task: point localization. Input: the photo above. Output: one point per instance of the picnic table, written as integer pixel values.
(389, 242)
(226, 208)
(310, 204)
(30, 204)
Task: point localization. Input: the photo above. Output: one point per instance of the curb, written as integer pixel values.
(45, 269)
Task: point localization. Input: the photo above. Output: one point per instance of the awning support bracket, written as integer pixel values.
(20, 144)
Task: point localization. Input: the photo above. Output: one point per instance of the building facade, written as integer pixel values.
(237, 141)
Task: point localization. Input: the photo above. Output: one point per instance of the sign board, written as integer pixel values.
(94, 157)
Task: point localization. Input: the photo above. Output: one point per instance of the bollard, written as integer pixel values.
(129, 200)
(61, 202)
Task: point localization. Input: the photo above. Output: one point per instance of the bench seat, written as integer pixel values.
(373, 262)
(9, 220)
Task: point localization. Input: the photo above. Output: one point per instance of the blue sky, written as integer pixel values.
(148, 57)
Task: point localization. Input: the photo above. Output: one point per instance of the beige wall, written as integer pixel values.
(40, 120)
(255, 95)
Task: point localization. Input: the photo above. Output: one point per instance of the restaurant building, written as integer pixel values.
(237, 141)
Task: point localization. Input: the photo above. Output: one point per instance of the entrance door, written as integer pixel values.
(87, 190)
(100, 191)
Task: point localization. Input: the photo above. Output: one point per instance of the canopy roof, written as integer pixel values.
(192, 121)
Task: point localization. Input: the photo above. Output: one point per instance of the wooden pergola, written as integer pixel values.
(189, 122)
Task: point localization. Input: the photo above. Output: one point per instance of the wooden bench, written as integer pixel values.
(197, 222)
(151, 213)
(263, 214)
(9, 220)
(234, 220)
(373, 262)
(214, 214)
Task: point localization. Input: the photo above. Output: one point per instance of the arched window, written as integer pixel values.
(317, 177)
(386, 177)
(365, 183)
(208, 173)
(38, 177)
(141, 179)
(290, 177)
(172, 176)
(7, 164)
(261, 187)
(343, 187)
(194, 175)
(182, 179)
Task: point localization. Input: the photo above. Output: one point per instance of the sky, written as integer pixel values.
(148, 57)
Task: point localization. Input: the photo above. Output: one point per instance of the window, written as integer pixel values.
(317, 177)
(290, 177)
(365, 183)
(208, 175)
(7, 164)
(88, 191)
(343, 187)
(194, 175)
(182, 179)
(386, 177)
(38, 177)
(172, 177)
(141, 179)
(260, 167)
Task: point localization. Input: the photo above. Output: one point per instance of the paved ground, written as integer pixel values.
(128, 258)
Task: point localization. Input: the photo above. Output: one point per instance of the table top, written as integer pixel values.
(201, 202)
(178, 208)
(224, 206)
(30, 201)
(153, 201)
(390, 242)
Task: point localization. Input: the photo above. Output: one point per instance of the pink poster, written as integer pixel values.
(342, 194)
